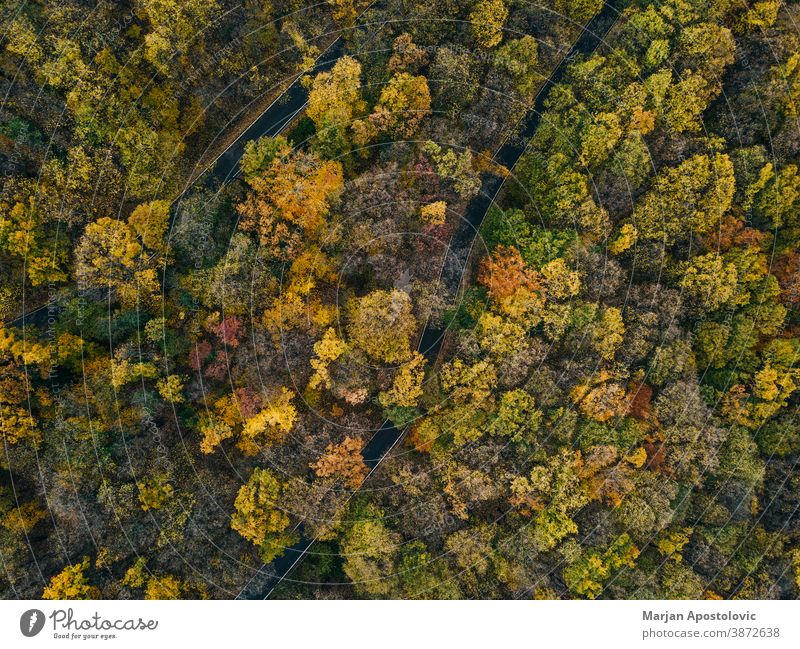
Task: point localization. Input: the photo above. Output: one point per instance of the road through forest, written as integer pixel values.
(388, 435)
(225, 167)
(272, 121)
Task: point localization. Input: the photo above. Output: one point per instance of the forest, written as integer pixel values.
(392, 299)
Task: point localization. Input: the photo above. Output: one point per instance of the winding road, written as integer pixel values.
(388, 435)
(272, 121)
(225, 167)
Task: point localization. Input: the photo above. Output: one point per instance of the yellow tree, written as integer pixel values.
(258, 516)
(691, 197)
(344, 12)
(327, 350)
(469, 384)
(215, 430)
(381, 324)
(109, 256)
(243, 414)
(156, 586)
(601, 398)
(487, 19)
(21, 520)
(290, 200)
(498, 336)
(609, 333)
(175, 25)
(587, 569)
(71, 583)
(709, 282)
(171, 388)
(17, 355)
(407, 384)
(154, 492)
(149, 221)
(270, 425)
(402, 105)
(16, 422)
(23, 234)
(434, 213)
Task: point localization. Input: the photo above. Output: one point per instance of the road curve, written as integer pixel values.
(272, 121)
(222, 169)
(388, 435)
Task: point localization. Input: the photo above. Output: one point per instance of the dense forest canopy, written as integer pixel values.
(549, 249)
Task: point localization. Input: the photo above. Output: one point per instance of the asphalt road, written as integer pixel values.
(388, 435)
(272, 122)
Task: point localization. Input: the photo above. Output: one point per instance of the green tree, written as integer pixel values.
(334, 100)
(368, 549)
(578, 10)
(778, 195)
(457, 168)
(453, 80)
(519, 58)
(259, 154)
(517, 417)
